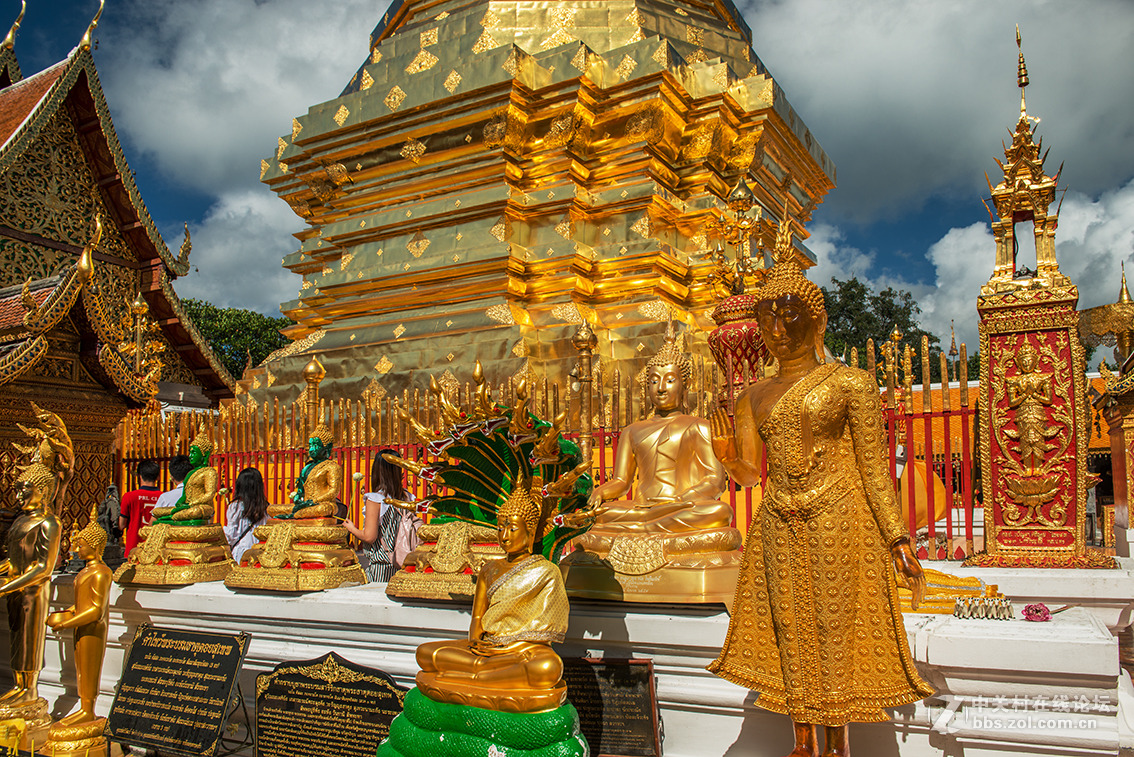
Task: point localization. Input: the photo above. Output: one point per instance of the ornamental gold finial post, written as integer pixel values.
(85, 42)
(313, 374)
(585, 341)
(138, 309)
(10, 41)
(1021, 72)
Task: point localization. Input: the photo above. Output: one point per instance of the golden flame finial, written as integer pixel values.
(1021, 72)
(85, 42)
(1124, 293)
(10, 41)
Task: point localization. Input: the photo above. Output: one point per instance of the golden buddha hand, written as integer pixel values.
(908, 569)
(724, 442)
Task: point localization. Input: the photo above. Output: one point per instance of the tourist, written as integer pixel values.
(179, 467)
(388, 533)
(248, 509)
(137, 505)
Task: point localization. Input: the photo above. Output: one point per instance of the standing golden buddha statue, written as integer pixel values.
(33, 551)
(673, 541)
(816, 626)
(303, 546)
(80, 733)
(183, 545)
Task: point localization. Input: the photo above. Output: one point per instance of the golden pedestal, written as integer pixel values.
(310, 554)
(478, 695)
(35, 718)
(172, 555)
(699, 567)
(82, 740)
(445, 564)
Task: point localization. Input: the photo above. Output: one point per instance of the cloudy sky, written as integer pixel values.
(911, 99)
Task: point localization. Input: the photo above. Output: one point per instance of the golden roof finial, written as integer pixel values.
(10, 41)
(1021, 73)
(85, 42)
(1124, 293)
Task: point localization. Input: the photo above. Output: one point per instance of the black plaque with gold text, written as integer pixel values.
(617, 703)
(176, 689)
(327, 707)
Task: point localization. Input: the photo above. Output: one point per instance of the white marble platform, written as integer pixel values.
(1074, 656)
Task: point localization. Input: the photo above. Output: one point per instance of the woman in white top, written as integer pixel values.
(248, 509)
(381, 520)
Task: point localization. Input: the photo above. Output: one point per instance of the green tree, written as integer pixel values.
(235, 334)
(856, 313)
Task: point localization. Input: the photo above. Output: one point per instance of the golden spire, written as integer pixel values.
(1124, 293)
(10, 41)
(85, 42)
(1021, 74)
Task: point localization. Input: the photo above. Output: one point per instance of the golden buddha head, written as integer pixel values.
(92, 538)
(517, 520)
(667, 374)
(789, 306)
(36, 486)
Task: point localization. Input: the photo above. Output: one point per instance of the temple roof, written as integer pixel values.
(72, 88)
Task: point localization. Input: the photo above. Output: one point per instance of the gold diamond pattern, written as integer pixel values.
(557, 38)
(367, 80)
(568, 312)
(563, 228)
(418, 245)
(399, 330)
(296, 127)
(395, 98)
(697, 56)
(681, 12)
(484, 42)
(661, 56)
(626, 67)
(521, 349)
(345, 260)
(441, 16)
(384, 363)
(501, 314)
(450, 356)
(642, 226)
(282, 145)
(500, 229)
(413, 150)
(375, 55)
(490, 20)
(452, 81)
(721, 77)
(423, 61)
(695, 36)
(341, 115)
(512, 62)
(634, 18)
(429, 37)
(264, 166)
(580, 59)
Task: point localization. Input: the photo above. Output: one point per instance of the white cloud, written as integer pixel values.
(911, 99)
(237, 249)
(205, 88)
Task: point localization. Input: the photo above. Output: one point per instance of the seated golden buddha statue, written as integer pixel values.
(303, 546)
(673, 541)
(519, 608)
(183, 545)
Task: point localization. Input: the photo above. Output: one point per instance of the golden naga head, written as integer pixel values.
(93, 535)
(37, 477)
(670, 354)
(323, 433)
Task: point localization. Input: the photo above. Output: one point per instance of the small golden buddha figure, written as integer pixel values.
(183, 544)
(673, 540)
(303, 546)
(519, 608)
(33, 551)
(80, 733)
(816, 627)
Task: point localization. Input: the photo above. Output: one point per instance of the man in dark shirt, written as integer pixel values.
(138, 504)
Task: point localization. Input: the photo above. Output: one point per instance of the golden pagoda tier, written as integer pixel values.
(497, 171)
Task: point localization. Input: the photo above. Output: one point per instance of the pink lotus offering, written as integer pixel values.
(1037, 612)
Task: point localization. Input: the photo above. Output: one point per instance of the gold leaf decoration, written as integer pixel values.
(564, 228)
(423, 61)
(635, 17)
(661, 55)
(281, 147)
(656, 310)
(395, 98)
(642, 226)
(441, 16)
(449, 383)
(697, 56)
(399, 330)
(484, 42)
(767, 94)
(721, 77)
(580, 59)
(264, 165)
(512, 62)
(345, 260)
(429, 37)
(418, 245)
(501, 314)
(561, 129)
(341, 115)
(375, 392)
(637, 36)
(695, 36)
(568, 312)
(296, 127)
(521, 349)
(452, 81)
(500, 229)
(367, 80)
(384, 363)
(375, 55)
(557, 38)
(490, 20)
(626, 67)
(413, 150)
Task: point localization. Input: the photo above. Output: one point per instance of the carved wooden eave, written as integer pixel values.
(27, 110)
